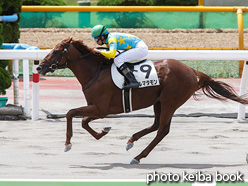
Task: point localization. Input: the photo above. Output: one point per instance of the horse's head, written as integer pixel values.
(60, 55)
(56, 59)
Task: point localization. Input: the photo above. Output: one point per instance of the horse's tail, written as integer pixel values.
(218, 89)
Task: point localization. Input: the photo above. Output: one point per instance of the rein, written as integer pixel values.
(72, 61)
(94, 78)
(56, 65)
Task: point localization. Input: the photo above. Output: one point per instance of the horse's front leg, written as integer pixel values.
(96, 135)
(90, 111)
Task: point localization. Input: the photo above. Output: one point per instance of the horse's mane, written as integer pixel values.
(81, 47)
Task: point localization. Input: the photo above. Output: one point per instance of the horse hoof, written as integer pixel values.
(134, 162)
(67, 147)
(106, 129)
(129, 146)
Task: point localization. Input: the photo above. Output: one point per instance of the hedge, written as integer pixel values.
(125, 2)
(44, 2)
(9, 33)
(175, 2)
(147, 2)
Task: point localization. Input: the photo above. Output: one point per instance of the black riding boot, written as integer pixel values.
(133, 83)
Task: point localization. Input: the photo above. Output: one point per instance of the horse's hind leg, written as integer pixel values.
(163, 130)
(154, 127)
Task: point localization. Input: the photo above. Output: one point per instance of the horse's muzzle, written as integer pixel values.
(42, 69)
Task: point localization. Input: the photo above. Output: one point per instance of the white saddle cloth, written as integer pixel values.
(145, 74)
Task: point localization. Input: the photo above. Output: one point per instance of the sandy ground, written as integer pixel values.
(34, 149)
(165, 38)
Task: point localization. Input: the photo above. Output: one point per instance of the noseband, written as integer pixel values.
(55, 65)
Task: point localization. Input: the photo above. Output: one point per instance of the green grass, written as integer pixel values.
(215, 69)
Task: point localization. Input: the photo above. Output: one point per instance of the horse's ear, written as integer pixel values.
(68, 40)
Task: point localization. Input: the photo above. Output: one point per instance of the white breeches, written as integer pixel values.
(140, 51)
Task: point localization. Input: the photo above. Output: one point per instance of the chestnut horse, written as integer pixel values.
(178, 83)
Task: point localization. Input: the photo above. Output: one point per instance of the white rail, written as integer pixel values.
(153, 55)
(25, 55)
(198, 54)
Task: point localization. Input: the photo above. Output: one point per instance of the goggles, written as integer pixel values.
(97, 38)
(100, 35)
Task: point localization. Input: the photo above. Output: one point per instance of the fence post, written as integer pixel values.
(35, 91)
(200, 2)
(27, 108)
(243, 88)
(241, 37)
(15, 71)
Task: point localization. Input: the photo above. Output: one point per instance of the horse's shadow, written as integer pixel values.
(110, 166)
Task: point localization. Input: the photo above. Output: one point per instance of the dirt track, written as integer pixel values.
(34, 149)
(166, 38)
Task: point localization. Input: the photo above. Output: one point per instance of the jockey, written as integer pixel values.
(134, 49)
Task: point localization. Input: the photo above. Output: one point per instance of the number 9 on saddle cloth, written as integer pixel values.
(144, 71)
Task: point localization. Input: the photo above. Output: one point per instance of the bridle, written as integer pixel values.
(55, 65)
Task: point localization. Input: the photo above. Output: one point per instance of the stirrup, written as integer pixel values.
(131, 85)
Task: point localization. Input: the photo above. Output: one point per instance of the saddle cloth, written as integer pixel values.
(144, 72)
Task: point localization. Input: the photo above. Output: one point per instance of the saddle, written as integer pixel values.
(144, 72)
